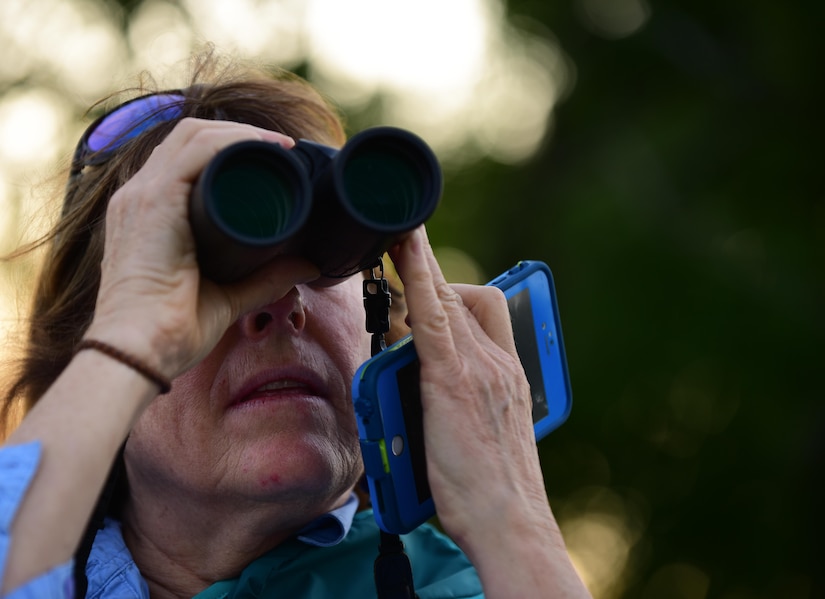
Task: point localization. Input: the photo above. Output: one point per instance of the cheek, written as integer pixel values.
(340, 314)
(353, 345)
(176, 422)
(155, 436)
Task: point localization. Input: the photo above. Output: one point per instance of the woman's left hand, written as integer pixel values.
(482, 459)
(475, 396)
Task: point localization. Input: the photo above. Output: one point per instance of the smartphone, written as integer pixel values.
(386, 396)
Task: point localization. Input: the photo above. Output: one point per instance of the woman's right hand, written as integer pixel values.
(152, 302)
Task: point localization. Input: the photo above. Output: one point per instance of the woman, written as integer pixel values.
(248, 463)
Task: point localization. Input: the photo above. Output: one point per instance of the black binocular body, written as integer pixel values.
(340, 209)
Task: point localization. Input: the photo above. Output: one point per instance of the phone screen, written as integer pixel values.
(521, 316)
(409, 390)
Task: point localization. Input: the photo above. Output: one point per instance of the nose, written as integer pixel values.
(287, 315)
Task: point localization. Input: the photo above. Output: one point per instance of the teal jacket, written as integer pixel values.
(300, 571)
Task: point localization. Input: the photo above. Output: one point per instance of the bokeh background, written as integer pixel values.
(664, 157)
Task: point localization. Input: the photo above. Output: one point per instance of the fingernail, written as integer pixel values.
(283, 140)
(417, 241)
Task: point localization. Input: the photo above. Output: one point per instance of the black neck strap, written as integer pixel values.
(392, 569)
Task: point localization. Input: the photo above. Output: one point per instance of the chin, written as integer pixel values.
(313, 468)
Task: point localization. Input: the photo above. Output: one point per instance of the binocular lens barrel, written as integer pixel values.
(384, 188)
(253, 201)
(257, 196)
(339, 209)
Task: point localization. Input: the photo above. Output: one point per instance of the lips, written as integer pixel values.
(280, 383)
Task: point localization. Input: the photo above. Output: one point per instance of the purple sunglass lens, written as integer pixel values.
(133, 118)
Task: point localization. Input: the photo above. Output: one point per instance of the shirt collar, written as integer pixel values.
(331, 528)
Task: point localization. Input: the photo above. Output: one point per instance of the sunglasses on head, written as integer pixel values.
(122, 124)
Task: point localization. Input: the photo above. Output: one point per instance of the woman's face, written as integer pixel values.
(267, 416)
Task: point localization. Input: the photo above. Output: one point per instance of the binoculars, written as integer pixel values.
(340, 209)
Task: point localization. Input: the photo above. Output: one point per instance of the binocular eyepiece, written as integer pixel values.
(340, 209)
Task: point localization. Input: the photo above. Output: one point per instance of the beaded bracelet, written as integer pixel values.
(150, 373)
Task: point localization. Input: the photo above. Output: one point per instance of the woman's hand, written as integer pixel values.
(152, 302)
(481, 449)
(482, 459)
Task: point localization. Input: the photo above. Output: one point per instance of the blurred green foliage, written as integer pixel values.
(679, 202)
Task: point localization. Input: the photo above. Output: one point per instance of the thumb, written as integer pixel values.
(268, 284)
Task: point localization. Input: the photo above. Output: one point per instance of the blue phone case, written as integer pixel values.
(529, 287)
(388, 410)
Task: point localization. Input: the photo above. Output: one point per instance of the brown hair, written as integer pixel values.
(66, 289)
